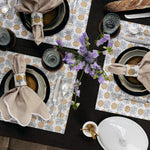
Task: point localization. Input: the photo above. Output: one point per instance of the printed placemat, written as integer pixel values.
(107, 99)
(57, 123)
(79, 13)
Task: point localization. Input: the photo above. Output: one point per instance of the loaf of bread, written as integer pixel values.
(126, 5)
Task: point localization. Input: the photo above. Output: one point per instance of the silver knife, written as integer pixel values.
(136, 40)
(140, 15)
(56, 90)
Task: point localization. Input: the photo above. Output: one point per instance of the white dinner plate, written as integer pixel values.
(119, 133)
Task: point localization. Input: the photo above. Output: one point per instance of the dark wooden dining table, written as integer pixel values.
(73, 138)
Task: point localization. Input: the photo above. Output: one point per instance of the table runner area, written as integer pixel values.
(67, 35)
(56, 123)
(106, 99)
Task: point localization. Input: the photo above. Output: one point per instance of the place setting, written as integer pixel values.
(63, 20)
(54, 99)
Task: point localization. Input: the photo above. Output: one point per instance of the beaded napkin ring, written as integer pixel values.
(20, 79)
(37, 19)
(132, 70)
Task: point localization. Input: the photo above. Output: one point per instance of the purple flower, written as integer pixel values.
(101, 79)
(78, 93)
(92, 73)
(81, 64)
(83, 38)
(69, 59)
(110, 44)
(101, 41)
(60, 43)
(82, 51)
(105, 52)
(76, 87)
(93, 54)
(87, 69)
(95, 66)
(106, 37)
(88, 58)
(77, 84)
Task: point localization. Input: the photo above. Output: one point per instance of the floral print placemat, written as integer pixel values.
(107, 99)
(79, 12)
(57, 123)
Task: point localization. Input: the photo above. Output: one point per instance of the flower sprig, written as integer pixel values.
(85, 59)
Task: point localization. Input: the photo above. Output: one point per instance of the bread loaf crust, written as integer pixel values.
(127, 5)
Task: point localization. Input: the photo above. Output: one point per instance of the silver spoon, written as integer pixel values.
(134, 30)
(5, 8)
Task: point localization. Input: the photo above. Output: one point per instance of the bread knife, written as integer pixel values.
(140, 15)
(136, 40)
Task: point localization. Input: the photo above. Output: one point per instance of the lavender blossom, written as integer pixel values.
(87, 69)
(93, 54)
(92, 73)
(82, 39)
(82, 51)
(88, 58)
(101, 41)
(95, 66)
(60, 43)
(110, 44)
(69, 59)
(101, 79)
(105, 52)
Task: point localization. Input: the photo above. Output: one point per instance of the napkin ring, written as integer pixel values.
(132, 70)
(20, 79)
(36, 19)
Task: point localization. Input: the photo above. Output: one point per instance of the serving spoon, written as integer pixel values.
(134, 30)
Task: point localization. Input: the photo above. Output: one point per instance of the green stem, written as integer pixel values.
(100, 35)
(70, 50)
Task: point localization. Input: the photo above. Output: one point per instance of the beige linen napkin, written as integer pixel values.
(21, 102)
(40, 6)
(142, 71)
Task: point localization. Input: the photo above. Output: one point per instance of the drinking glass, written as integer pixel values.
(51, 59)
(111, 23)
(4, 37)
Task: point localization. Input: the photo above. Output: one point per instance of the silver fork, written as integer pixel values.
(71, 24)
(64, 90)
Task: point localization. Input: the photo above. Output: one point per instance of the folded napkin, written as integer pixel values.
(37, 8)
(21, 102)
(141, 71)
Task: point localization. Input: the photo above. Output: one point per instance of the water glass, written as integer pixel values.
(4, 37)
(111, 23)
(51, 59)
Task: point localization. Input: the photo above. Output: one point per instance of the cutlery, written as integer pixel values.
(134, 30)
(136, 40)
(5, 8)
(64, 91)
(71, 24)
(56, 90)
(139, 100)
(12, 9)
(140, 15)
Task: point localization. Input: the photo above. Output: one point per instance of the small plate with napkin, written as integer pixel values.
(129, 71)
(43, 17)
